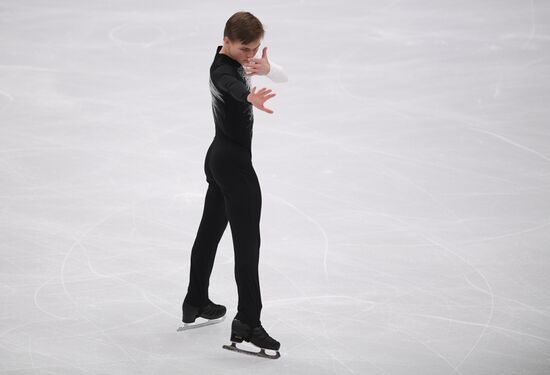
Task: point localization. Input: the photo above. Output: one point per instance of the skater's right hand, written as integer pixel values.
(259, 98)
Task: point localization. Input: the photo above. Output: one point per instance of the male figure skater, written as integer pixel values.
(233, 193)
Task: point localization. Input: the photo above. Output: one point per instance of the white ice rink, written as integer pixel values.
(405, 177)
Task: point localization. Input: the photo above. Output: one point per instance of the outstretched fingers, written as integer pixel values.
(262, 95)
(267, 110)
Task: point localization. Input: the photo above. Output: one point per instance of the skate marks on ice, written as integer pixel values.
(5, 100)
(315, 223)
(263, 353)
(200, 323)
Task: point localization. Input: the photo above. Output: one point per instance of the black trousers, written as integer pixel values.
(233, 196)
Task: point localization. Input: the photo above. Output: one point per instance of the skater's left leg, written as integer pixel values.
(212, 226)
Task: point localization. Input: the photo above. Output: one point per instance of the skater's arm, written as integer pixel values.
(225, 79)
(276, 73)
(263, 66)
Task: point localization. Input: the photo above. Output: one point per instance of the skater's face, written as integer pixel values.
(239, 51)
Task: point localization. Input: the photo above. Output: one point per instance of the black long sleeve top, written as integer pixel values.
(230, 87)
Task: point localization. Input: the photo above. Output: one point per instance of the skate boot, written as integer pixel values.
(211, 313)
(255, 335)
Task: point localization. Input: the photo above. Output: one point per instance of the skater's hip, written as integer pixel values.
(227, 148)
(228, 156)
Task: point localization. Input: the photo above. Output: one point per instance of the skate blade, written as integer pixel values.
(262, 353)
(188, 326)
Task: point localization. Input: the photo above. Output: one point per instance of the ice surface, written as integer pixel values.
(405, 177)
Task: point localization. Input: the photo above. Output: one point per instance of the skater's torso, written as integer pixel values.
(230, 87)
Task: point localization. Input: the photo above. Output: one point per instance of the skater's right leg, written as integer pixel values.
(233, 171)
(256, 335)
(243, 210)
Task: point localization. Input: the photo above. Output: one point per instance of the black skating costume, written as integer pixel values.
(233, 194)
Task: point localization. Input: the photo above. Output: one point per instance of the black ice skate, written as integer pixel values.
(212, 314)
(257, 336)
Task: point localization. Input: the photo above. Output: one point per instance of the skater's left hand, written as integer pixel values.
(258, 66)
